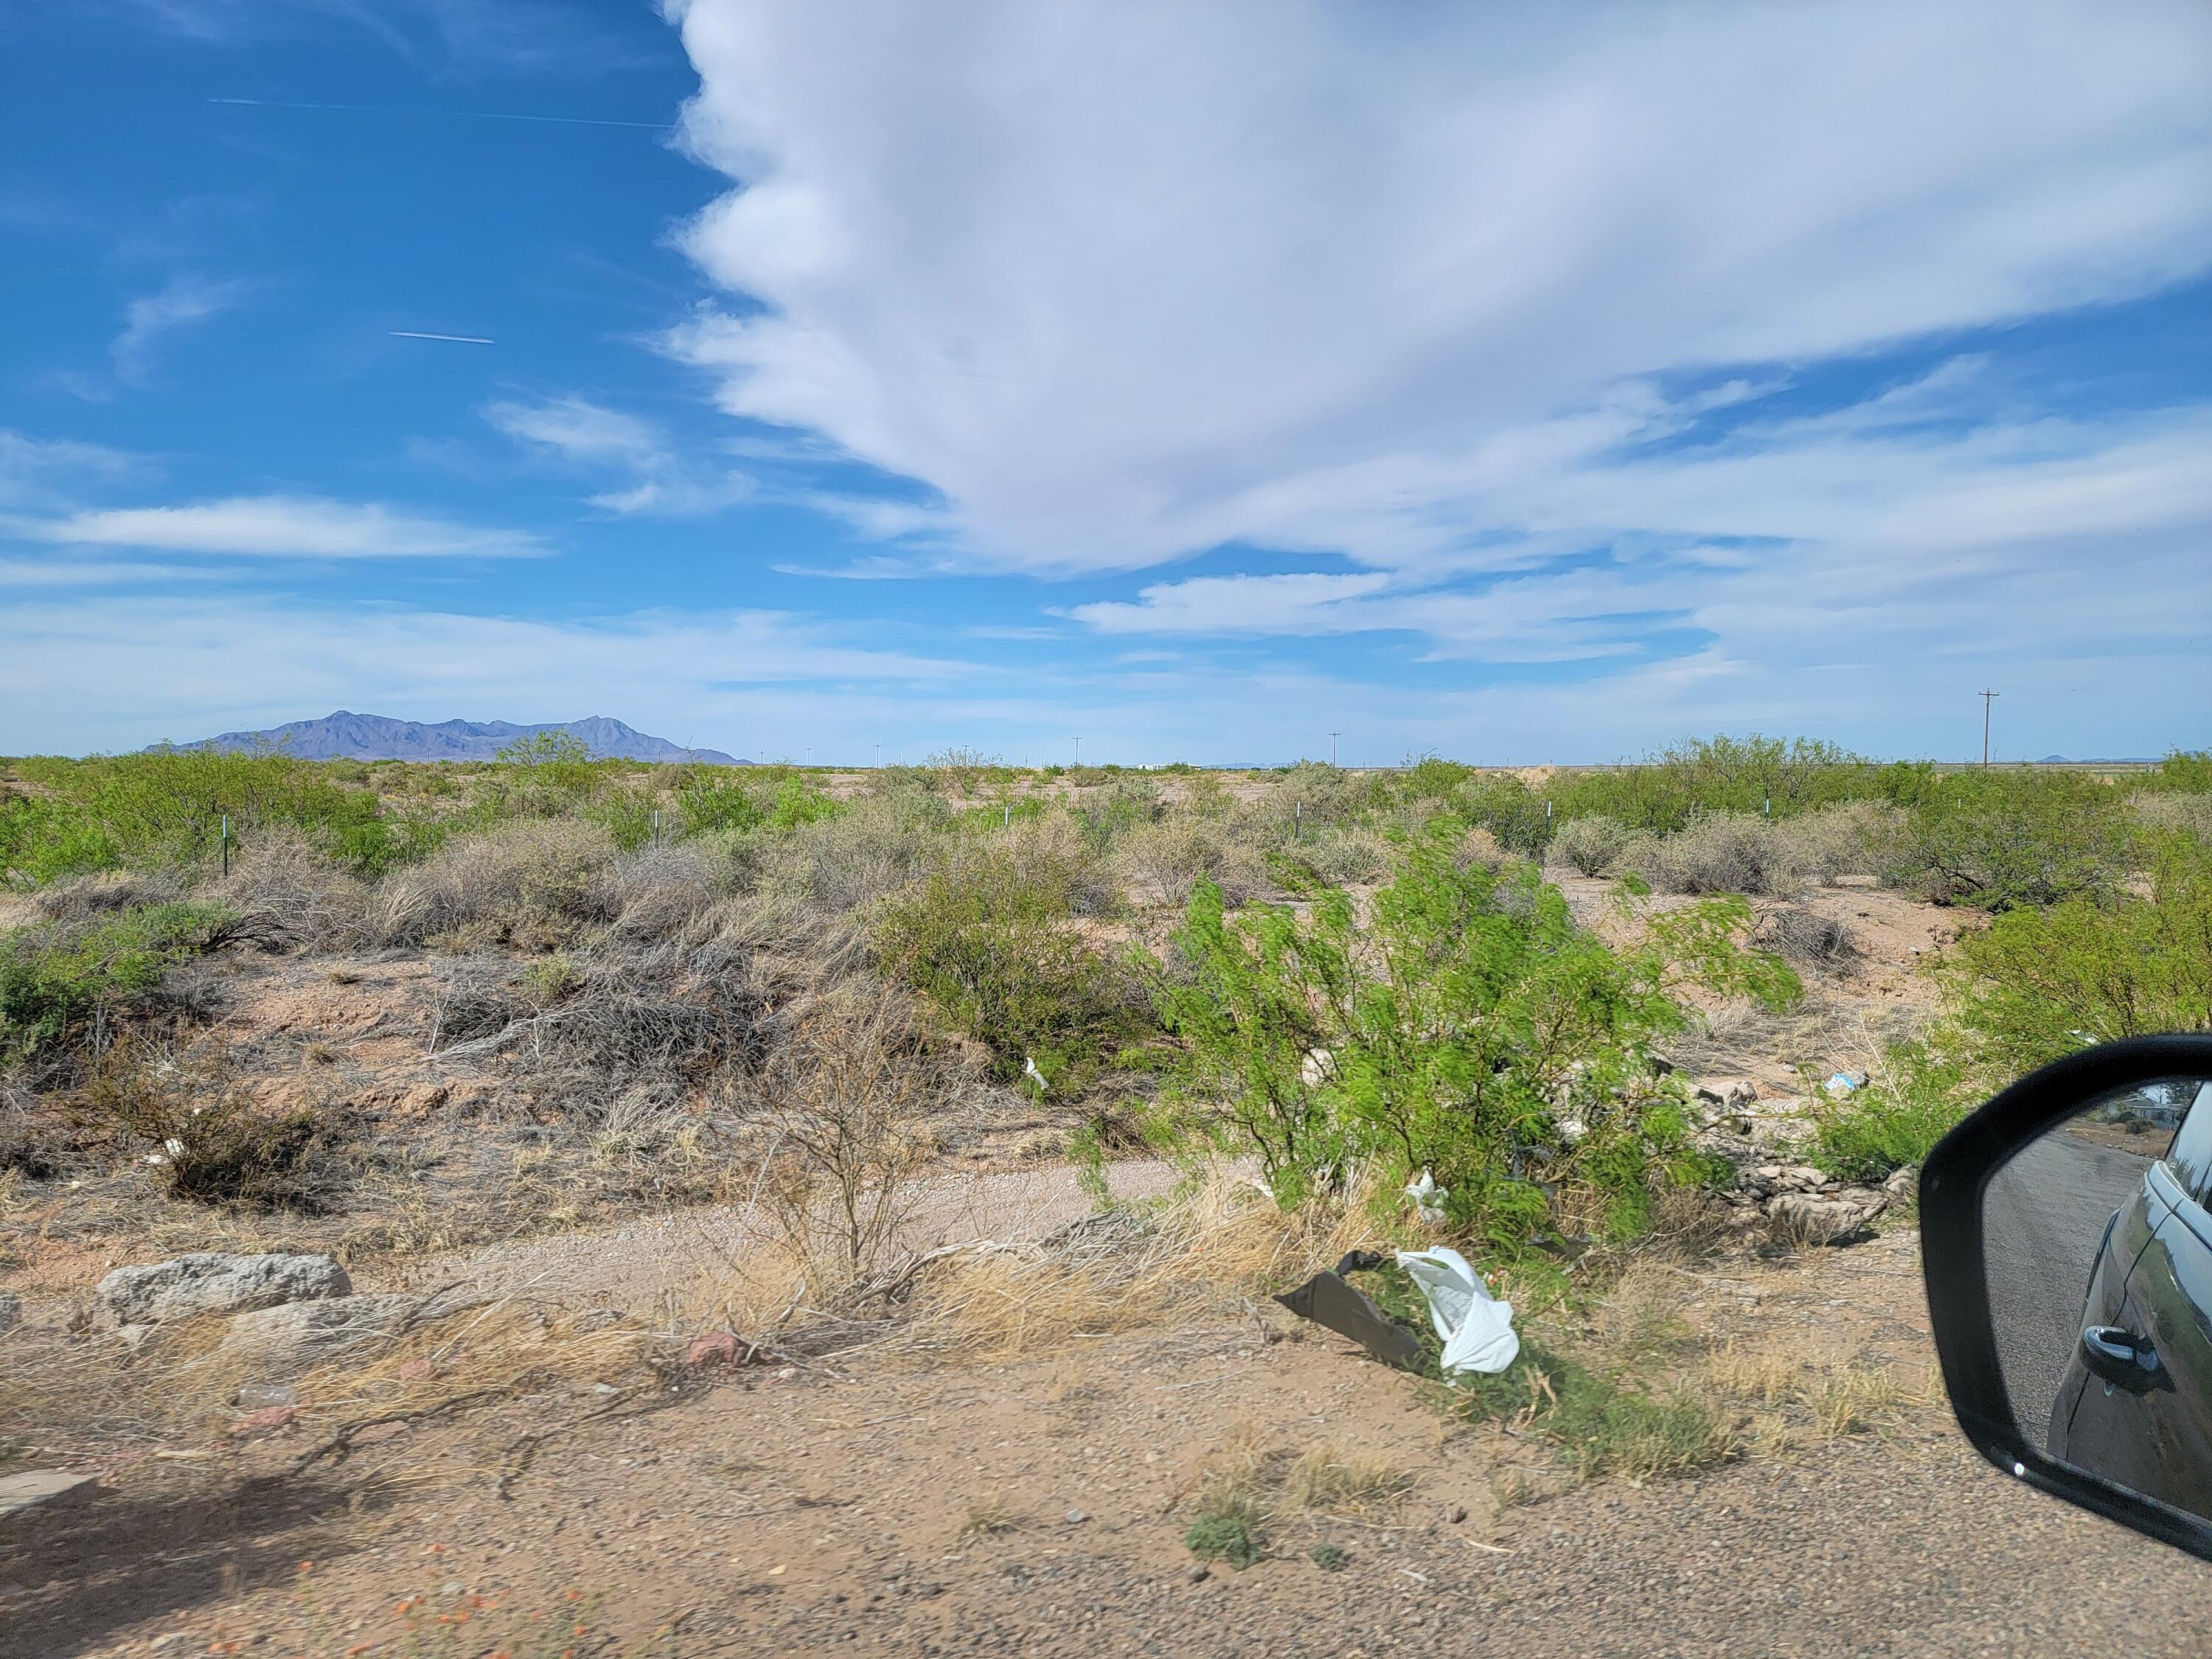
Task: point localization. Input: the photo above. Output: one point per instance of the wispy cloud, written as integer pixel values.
(43, 474)
(660, 480)
(281, 526)
(149, 319)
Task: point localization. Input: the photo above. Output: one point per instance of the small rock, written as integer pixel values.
(1903, 1186)
(1458, 1513)
(214, 1281)
(269, 1419)
(260, 1396)
(710, 1349)
(43, 1490)
(417, 1370)
(453, 1587)
(1076, 1517)
(1200, 1573)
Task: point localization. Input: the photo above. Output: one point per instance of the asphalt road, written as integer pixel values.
(2041, 1220)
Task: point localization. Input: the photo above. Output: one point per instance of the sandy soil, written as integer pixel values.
(797, 1507)
(807, 1508)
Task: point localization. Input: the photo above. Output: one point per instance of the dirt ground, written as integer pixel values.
(1039, 1507)
(898, 1504)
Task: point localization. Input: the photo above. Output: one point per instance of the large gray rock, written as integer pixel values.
(1801, 1218)
(289, 1340)
(210, 1281)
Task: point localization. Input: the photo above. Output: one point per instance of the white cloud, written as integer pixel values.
(38, 474)
(590, 435)
(285, 526)
(1121, 281)
(151, 319)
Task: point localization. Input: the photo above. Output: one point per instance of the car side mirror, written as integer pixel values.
(2067, 1246)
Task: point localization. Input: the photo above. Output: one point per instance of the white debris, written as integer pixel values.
(1428, 1198)
(1476, 1330)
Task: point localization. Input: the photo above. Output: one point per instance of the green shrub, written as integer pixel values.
(2183, 772)
(2037, 984)
(1466, 1026)
(996, 954)
(1753, 775)
(718, 799)
(1895, 1121)
(2000, 840)
(1234, 1530)
(2032, 985)
(53, 980)
(167, 807)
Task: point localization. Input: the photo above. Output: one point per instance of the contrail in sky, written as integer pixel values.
(458, 339)
(474, 114)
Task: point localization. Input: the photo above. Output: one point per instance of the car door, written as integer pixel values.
(2154, 1280)
(2169, 1303)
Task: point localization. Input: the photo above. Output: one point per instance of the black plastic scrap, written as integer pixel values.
(1327, 1300)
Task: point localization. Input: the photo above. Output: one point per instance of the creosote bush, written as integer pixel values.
(1590, 845)
(1717, 853)
(993, 951)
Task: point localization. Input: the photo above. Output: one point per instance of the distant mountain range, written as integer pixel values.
(349, 736)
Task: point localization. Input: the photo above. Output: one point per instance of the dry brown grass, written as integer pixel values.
(987, 1517)
(1207, 1254)
(1330, 1481)
(81, 1393)
(1810, 1391)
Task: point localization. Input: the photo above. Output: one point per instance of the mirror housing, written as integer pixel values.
(1953, 1185)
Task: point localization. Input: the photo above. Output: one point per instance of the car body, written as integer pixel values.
(2135, 1401)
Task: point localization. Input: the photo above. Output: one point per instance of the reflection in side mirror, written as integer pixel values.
(2097, 1250)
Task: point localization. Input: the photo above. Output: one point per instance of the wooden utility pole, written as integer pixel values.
(1986, 698)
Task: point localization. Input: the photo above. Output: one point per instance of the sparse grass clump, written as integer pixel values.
(1598, 1424)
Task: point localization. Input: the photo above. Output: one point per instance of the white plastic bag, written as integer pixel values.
(1477, 1331)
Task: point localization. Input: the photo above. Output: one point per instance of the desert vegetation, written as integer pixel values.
(393, 1012)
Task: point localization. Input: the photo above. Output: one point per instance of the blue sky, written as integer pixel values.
(1514, 385)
